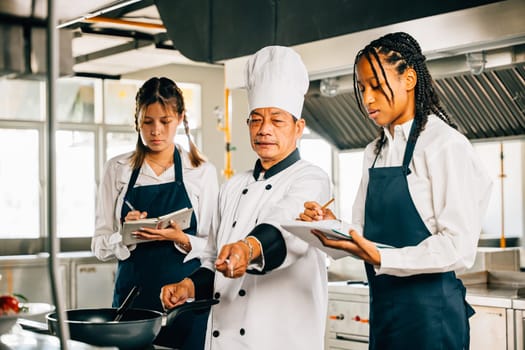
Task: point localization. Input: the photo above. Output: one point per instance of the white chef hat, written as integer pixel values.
(276, 77)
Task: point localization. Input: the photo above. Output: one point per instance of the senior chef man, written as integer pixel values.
(271, 285)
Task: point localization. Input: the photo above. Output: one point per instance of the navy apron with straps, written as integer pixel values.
(157, 263)
(424, 311)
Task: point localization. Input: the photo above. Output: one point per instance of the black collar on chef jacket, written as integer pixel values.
(277, 168)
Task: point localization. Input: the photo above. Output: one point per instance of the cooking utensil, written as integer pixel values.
(137, 329)
(127, 303)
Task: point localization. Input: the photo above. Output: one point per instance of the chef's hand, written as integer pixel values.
(175, 294)
(170, 233)
(232, 261)
(314, 212)
(358, 246)
(135, 215)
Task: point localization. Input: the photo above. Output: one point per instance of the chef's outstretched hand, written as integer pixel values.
(313, 211)
(175, 294)
(358, 246)
(232, 261)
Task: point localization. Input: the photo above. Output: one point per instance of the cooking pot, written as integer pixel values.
(137, 328)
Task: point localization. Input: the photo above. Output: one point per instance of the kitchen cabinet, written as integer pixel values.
(488, 328)
(94, 285)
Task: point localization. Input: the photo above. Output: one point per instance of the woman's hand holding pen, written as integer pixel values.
(313, 211)
(135, 215)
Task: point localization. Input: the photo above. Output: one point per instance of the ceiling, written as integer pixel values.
(109, 39)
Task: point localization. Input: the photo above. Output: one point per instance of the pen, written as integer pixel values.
(327, 204)
(129, 205)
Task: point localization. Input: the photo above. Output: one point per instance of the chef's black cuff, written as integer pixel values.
(203, 281)
(272, 244)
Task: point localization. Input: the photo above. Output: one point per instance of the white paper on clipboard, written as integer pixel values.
(303, 230)
(330, 228)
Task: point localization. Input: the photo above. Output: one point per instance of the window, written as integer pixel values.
(508, 217)
(21, 100)
(316, 150)
(192, 101)
(20, 186)
(349, 175)
(76, 102)
(119, 142)
(75, 183)
(119, 98)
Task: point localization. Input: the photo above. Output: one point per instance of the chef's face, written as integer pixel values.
(273, 134)
(158, 127)
(388, 98)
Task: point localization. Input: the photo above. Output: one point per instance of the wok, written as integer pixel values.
(137, 329)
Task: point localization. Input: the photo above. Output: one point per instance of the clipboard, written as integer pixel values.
(302, 229)
(182, 217)
(330, 228)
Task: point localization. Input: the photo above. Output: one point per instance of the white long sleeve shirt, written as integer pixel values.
(201, 184)
(450, 189)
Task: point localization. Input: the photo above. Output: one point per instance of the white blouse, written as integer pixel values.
(450, 189)
(201, 184)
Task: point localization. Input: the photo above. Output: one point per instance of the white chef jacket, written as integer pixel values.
(201, 185)
(450, 189)
(286, 307)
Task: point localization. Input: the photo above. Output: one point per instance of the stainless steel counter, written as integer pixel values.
(495, 288)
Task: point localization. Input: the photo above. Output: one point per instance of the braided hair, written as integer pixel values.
(402, 51)
(169, 95)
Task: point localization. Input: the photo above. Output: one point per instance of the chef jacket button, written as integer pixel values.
(217, 295)
(242, 331)
(245, 191)
(268, 187)
(242, 292)
(215, 334)
(234, 223)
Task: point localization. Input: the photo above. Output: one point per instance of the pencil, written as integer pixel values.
(129, 205)
(327, 204)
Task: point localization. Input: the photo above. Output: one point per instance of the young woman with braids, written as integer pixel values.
(155, 179)
(423, 192)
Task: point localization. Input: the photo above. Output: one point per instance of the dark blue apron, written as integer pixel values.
(425, 311)
(157, 263)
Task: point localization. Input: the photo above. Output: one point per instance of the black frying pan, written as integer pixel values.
(137, 329)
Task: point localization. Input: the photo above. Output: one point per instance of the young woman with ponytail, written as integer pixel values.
(423, 192)
(157, 178)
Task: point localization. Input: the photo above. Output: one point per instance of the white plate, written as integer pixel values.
(29, 310)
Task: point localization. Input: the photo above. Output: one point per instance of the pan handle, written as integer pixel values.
(127, 303)
(196, 305)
